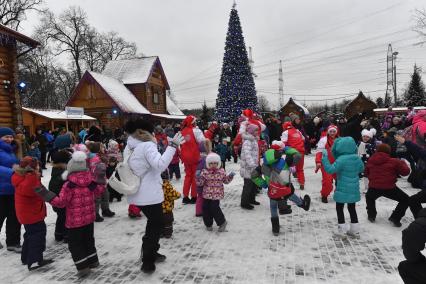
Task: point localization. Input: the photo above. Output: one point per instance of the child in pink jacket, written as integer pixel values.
(78, 196)
(212, 180)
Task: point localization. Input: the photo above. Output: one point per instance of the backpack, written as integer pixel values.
(123, 180)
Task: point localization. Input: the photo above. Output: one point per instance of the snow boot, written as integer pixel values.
(186, 200)
(209, 228)
(160, 257)
(17, 248)
(99, 218)
(395, 222)
(94, 265)
(83, 272)
(40, 264)
(306, 203)
(302, 187)
(222, 228)
(247, 206)
(324, 199)
(275, 226)
(342, 229)
(354, 230)
(285, 210)
(148, 267)
(372, 219)
(255, 202)
(193, 200)
(108, 213)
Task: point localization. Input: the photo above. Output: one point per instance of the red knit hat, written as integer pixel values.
(189, 120)
(332, 127)
(248, 113)
(28, 163)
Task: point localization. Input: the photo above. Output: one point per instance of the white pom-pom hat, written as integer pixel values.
(366, 132)
(212, 158)
(77, 163)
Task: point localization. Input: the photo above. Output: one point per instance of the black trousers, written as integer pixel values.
(249, 192)
(174, 169)
(412, 273)
(223, 164)
(154, 226)
(60, 230)
(395, 194)
(43, 159)
(341, 214)
(113, 194)
(415, 201)
(81, 243)
(168, 220)
(34, 243)
(13, 227)
(212, 211)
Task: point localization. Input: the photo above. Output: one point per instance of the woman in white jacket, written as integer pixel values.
(147, 163)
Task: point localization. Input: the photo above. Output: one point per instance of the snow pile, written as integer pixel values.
(172, 108)
(130, 71)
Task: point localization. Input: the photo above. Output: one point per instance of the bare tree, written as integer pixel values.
(68, 33)
(12, 12)
(420, 23)
(263, 104)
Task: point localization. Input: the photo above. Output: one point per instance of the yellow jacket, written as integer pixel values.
(170, 195)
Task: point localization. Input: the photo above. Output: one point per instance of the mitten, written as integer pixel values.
(177, 140)
(45, 194)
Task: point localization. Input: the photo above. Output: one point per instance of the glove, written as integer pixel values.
(317, 167)
(177, 140)
(232, 174)
(45, 194)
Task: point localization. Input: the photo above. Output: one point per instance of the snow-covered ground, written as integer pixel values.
(305, 252)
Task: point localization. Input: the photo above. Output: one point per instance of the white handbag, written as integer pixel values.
(123, 180)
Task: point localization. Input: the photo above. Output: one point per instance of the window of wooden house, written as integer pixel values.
(155, 96)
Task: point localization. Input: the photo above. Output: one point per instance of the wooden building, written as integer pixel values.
(292, 106)
(126, 88)
(50, 119)
(10, 102)
(361, 104)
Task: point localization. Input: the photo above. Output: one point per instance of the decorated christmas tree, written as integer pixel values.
(236, 88)
(415, 95)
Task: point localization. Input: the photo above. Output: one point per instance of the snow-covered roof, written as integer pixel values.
(172, 108)
(57, 114)
(177, 117)
(305, 110)
(398, 109)
(124, 99)
(130, 71)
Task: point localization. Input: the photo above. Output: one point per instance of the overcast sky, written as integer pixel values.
(330, 49)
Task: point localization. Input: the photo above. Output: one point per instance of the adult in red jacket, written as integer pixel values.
(382, 172)
(31, 211)
(190, 155)
(326, 142)
(292, 137)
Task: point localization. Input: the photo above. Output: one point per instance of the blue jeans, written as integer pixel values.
(273, 204)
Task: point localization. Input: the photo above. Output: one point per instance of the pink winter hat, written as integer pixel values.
(252, 129)
(212, 158)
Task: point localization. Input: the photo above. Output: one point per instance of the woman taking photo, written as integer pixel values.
(147, 163)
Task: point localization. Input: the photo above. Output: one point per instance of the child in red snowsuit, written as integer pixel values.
(292, 137)
(326, 142)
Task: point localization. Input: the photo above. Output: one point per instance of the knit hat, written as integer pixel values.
(252, 129)
(277, 145)
(385, 148)
(366, 132)
(248, 113)
(332, 127)
(61, 157)
(373, 131)
(316, 120)
(112, 144)
(81, 147)
(76, 164)
(212, 158)
(28, 164)
(6, 131)
(189, 120)
(294, 116)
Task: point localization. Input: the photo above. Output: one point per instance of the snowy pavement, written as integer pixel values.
(305, 252)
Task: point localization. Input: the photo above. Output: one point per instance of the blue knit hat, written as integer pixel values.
(6, 131)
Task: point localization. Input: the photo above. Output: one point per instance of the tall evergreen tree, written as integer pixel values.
(415, 95)
(380, 102)
(205, 116)
(236, 88)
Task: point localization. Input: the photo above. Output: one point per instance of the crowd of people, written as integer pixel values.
(360, 151)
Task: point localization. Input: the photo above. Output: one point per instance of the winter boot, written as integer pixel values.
(94, 265)
(186, 200)
(396, 223)
(354, 230)
(160, 257)
(247, 206)
(17, 248)
(342, 229)
(209, 228)
(148, 267)
(222, 228)
(83, 272)
(108, 213)
(193, 200)
(255, 202)
(134, 211)
(372, 219)
(302, 187)
(99, 218)
(40, 264)
(324, 199)
(275, 226)
(306, 203)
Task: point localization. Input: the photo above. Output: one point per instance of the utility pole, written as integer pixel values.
(395, 97)
(251, 62)
(281, 85)
(389, 73)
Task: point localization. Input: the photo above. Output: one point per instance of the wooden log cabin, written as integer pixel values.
(292, 106)
(126, 88)
(361, 104)
(10, 102)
